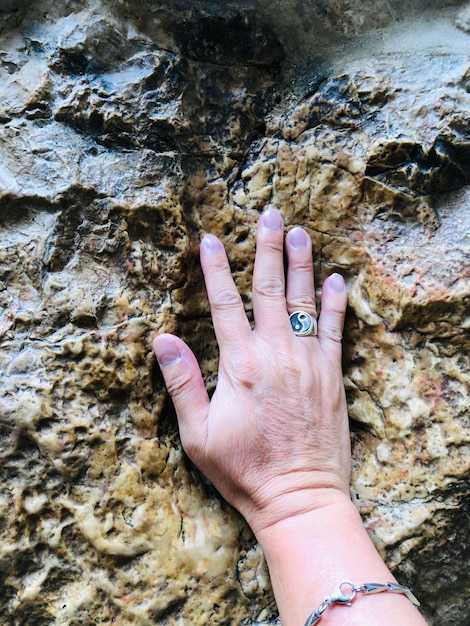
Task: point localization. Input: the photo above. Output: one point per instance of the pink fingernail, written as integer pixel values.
(336, 283)
(211, 243)
(272, 220)
(167, 351)
(298, 238)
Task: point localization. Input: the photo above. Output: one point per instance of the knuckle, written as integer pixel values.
(336, 337)
(301, 266)
(178, 384)
(292, 373)
(225, 299)
(273, 245)
(303, 303)
(269, 286)
(247, 370)
(333, 333)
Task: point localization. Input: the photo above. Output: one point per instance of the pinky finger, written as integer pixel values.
(333, 310)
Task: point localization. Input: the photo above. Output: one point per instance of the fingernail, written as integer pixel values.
(336, 283)
(298, 238)
(167, 351)
(211, 243)
(272, 220)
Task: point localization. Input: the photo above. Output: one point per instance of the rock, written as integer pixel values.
(463, 19)
(354, 16)
(128, 131)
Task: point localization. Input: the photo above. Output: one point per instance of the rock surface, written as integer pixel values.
(127, 131)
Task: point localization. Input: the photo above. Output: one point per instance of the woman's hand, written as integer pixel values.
(274, 439)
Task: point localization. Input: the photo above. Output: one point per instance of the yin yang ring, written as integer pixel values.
(303, 324)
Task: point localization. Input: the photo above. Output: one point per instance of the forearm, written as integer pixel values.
(310, 554)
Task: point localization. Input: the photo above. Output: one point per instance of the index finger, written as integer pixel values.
(231, 324)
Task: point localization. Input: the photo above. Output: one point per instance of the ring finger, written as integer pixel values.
(300, 291)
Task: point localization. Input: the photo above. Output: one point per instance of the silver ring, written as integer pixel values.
(303, 324)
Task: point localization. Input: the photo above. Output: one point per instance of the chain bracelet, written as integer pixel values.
(346, 593)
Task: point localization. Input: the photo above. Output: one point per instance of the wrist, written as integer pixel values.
(321, 517)
(311, 553)
(292, 504)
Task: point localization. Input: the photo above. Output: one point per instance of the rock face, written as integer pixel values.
(127, 131)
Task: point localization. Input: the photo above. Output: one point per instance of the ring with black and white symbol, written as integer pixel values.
(303, 324)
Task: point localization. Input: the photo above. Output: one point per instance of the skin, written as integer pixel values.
(274, 438)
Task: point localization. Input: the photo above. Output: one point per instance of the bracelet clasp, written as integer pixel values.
(341, 597)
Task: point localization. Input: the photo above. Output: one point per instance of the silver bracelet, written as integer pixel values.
(346, 593)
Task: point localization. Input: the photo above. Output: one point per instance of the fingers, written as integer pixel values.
(272, 302)
(300, 285)
(301, 293)
(269, 301)
(184, 383)
(228, 314)
(333, 309)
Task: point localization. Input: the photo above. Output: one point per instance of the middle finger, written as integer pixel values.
(269, 300)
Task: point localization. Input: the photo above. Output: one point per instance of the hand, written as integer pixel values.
(274, 439)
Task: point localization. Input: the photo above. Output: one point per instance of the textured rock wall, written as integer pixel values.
(127, 131)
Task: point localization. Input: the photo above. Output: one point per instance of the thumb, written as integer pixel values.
(333, 310)
(185, 385)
